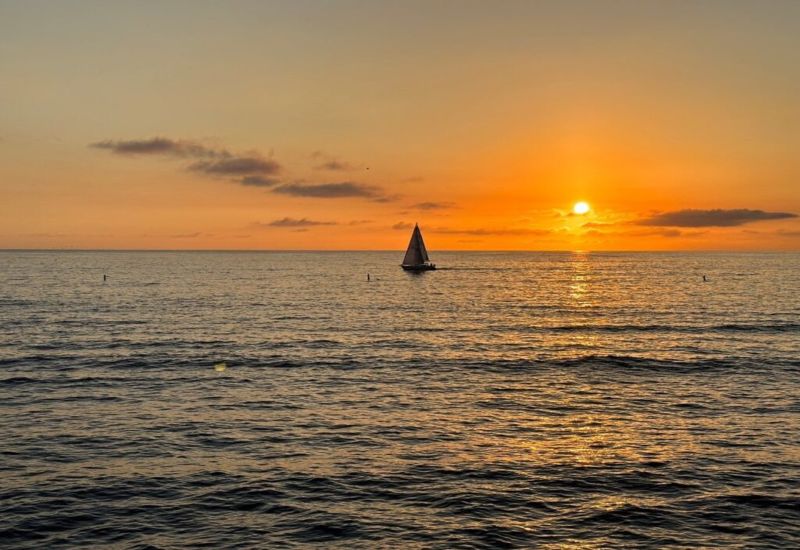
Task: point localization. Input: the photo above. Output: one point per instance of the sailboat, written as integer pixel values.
(416, 258)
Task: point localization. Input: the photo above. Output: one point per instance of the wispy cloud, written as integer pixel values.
(386, 198)
(331, 163)
(258, 181)
(666, 232)
(711, 218)
(330, 190)
(294, 222)
(250, 169)
(597, 224)
(335, 165)
(160, 146)
(433, 205)
(238, 166)
(481, 231)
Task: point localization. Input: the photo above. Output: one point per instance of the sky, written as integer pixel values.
(340, 124)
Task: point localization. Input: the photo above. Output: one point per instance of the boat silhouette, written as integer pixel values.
(416, 258)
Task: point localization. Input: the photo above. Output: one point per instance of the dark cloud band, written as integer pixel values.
(237, 166)
(330, 190)
(160, 146)
(294, 222)
(712, 218)
(258, 181)
(433, 205)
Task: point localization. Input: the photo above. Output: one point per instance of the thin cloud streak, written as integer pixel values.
(492, 231)
(258, 181)
(160, 146)
(237, 166)
(433, 205)
(669, 233)
(331, 163)
(330, 190)
(711, 218)
(480, 231)
(335, 166)
(294, 222)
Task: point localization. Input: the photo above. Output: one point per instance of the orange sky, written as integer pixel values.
(337, 125)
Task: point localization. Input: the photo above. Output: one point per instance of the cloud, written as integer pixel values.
(258, 181)
(186, 235)
(330, 190)
(329, 162)
(294, 222)
(238, 166)
(477, 232)
(711, 218)
(490, 231)
(387, 198)
(159, 146)
(433, 205)
(597, 224)
(335, 165)
(359, 222)
(669, 233)
(251, 169)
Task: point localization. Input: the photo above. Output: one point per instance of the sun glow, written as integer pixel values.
(581, 208)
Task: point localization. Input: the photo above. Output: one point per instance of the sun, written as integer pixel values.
(581, 208)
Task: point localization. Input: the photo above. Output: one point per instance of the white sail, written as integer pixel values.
(416, 254)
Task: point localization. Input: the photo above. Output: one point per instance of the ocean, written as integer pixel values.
(279, 399)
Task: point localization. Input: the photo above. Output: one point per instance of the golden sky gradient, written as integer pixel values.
(337, 125)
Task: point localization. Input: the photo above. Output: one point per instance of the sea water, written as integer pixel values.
(279, 399)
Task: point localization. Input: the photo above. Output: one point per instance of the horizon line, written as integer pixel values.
(399, 251)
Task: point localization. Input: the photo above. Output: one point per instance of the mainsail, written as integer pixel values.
(416, 253)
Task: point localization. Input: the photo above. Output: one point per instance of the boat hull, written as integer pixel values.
(421, 267)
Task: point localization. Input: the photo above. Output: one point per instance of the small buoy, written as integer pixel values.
(220, 367)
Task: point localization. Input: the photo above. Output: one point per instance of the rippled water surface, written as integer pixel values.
(509, 400)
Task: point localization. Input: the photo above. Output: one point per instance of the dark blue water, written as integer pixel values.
(250, 400)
